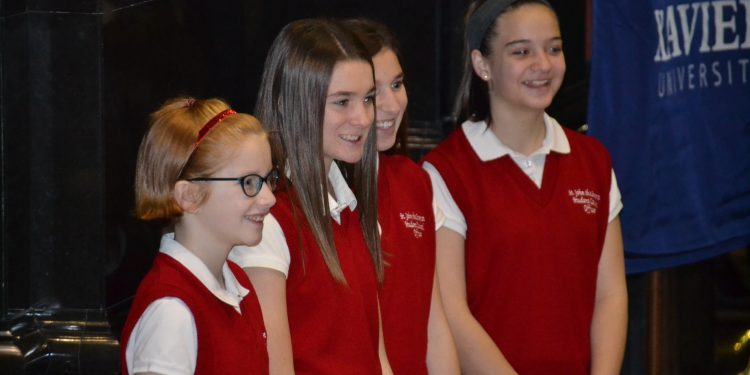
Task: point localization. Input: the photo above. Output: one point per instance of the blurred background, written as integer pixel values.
(78, 79)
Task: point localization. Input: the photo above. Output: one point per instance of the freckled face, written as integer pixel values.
(349, 111)
(391, 99)
(526, 66)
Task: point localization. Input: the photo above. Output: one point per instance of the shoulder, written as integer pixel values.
(169, 311)
(164, 339)
(445, 154)
(165, 316)
(401, 175)
(399, 163)
(456, 139)
(588, 142)
(590, 154)
(166, 277)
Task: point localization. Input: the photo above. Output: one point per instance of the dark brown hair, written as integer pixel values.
(376, 37)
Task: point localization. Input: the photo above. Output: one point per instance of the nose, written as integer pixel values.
(543, 61)
(265, 197)
(386, 102)
(363, 115)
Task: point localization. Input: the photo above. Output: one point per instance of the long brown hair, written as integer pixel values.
(291, 104)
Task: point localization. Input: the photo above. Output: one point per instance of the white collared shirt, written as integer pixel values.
(488, 147)
(272, 251)
(165, 338)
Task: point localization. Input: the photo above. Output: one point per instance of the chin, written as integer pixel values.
(252, 241)
(539, 104)
(350, 159)
(385, 146)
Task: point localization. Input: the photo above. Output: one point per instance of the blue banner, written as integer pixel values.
(670, 98)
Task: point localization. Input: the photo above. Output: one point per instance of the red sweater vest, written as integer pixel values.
(334, 327)
(407, 222)
(532, 254)
(228, 343)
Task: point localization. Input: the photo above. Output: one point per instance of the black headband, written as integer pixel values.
(483, 17)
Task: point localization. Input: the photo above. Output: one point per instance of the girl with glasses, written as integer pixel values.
(207, 169)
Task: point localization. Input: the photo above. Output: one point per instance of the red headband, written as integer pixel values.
(204, 131)
(212, 124)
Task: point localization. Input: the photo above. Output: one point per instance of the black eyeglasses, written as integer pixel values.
(251, 184)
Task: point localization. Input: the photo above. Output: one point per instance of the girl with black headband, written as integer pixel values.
(208, 170)
(530, 260)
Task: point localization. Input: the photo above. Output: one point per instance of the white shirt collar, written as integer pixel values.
(341, 190)
(488, 147)
(344, 196)
(233, 293)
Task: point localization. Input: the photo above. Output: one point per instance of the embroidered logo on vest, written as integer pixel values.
(585, 198)
(413, 221)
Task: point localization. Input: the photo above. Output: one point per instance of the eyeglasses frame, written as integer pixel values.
(263, 180)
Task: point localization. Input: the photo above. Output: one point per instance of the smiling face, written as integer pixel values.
(391, 97)
(349, 112)
(526, 65)
(228, 215)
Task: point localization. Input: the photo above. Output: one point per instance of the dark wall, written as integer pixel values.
(78, 79)
(52, 153)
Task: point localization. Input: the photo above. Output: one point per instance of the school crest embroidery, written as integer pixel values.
(587, 199)
(413, 221)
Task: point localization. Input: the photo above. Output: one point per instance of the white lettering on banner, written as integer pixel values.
(719, 24)
(675, 38)
(698, 76)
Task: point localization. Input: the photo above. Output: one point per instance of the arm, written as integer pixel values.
(385, 366)
(270, 286)
(610, 320)
(267, 265)
(476, 350)
(164, 340)
(442, 358)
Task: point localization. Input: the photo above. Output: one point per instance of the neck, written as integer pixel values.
(522, 131)
(210, 252)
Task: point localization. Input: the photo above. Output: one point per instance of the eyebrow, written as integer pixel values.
(399, 76)
(340, 93)
(350, 93)
(525, 41)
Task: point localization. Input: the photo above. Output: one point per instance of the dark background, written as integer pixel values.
(78, 79)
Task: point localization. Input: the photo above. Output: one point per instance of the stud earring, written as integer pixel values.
(485, 77)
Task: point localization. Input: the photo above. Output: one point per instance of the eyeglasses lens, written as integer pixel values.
(252, 184)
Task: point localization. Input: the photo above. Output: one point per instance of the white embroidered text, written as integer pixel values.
(586, 198)
(413, 221)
